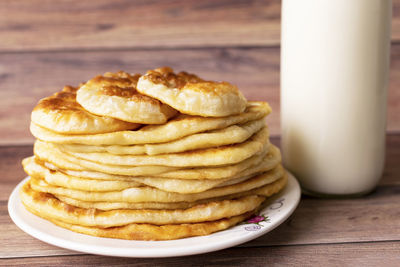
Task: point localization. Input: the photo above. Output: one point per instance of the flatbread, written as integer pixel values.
(60, 113)
(266, 191)
(176, 128)
(230, 135)
(223, 155)
(66, 162)
(267, 160)
(149, 194)
(192, 95)
(154, 232)
(51, 207)
(126, 205)
(115, 95)
(179, 157)
(58, 178)
(243, 168)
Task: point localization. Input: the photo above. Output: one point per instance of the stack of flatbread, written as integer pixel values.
(158, 156)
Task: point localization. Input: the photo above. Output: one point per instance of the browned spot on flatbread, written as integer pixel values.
(64, 100)
(121, 84)
(217, 88)
(113, 90)
(166, 76)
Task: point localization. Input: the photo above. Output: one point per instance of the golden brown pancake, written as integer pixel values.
(115, 95)
(231, 135)
(155, 232)
(266, 191)
(61, 113)
(184, 186)
(215, 156)
(49, 206)
(178, 127)
(150, 194)
(155, 157)
(192, 95)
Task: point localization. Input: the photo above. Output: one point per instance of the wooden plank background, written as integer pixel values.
(87, 24)
(47, 44)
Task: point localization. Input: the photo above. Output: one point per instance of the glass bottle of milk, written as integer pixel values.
(334, 78)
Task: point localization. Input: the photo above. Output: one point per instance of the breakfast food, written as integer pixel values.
(230, 135)
(188, 93)
(115, 95)
(62, 114)
(155, 232)
(200, 161)
(178, 127)
(228, 154)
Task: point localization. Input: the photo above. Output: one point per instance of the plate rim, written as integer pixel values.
(151, 252)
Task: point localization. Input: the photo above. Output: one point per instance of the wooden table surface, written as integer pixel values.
(354, 232)
(48, 44)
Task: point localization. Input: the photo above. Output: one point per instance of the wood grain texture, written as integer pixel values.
(11, 168)
(48, 44)
(77, 24)
(374, 217)
(353, 254)
(27, 77)
(396, 21)
(15, 243)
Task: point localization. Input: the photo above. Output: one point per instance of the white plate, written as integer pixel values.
(275, 212)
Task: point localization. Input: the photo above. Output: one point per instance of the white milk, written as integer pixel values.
(334, 77)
